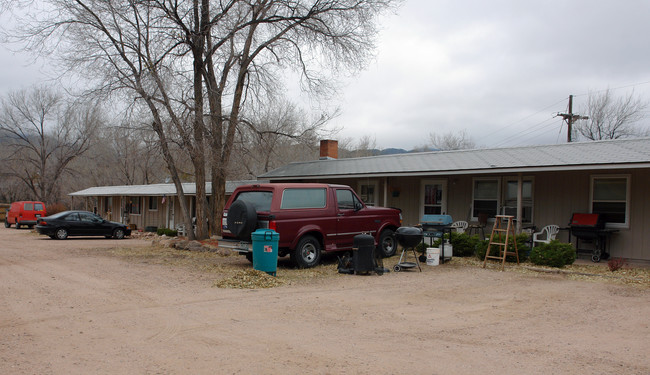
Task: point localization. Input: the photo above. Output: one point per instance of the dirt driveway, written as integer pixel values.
(73, 307)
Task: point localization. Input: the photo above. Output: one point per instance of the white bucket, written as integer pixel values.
(433, 256)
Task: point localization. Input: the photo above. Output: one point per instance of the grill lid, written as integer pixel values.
(436, 219)
(579, 220)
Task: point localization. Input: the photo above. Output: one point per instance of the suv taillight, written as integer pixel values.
(273, 225)
(224, 220)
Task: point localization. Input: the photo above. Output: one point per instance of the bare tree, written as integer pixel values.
(612, 118)
(364, 146)
(274, 135)
(451, 141)
(173, 55)
(43, 134)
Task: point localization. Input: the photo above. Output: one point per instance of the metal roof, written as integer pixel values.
(189, 188)
(611, 154)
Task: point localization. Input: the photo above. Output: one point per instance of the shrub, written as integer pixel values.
(167, 232)
(54, 208)
(615, 264)
(522, 247)
(463, 244)
(553, 254)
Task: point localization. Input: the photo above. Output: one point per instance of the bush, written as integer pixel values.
(54, 208)
(167, 232)
(615, 264)
(522, 247)
(553, 254)
(463, 244)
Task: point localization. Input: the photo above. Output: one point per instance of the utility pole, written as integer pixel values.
(570, 118)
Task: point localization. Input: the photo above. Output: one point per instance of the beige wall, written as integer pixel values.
(556, 196)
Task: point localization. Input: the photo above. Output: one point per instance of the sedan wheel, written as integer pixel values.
(118, 233)
(61, 234)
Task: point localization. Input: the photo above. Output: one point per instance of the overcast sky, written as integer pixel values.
(499, 69)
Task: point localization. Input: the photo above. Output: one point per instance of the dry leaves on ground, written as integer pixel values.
(235, 272)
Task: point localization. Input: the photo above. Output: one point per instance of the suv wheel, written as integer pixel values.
(387, 245)
(307, 253)
(7, 224)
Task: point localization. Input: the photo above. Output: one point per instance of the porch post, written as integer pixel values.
(385, 192)
(520, 194)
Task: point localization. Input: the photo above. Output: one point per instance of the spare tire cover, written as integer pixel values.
(242, 219)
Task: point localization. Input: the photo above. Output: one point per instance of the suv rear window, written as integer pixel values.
(38, 207)
(303, 198)
(261, 200)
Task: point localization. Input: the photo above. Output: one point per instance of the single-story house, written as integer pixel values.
(142, 206)
(539, 185)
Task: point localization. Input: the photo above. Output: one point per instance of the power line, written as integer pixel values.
(533, 129)
(524, 118)
(615, 88)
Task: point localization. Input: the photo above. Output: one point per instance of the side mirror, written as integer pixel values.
(358, 206)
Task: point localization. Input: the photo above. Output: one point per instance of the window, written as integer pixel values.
(261, 200)
(72, 217)
(610, 198)
(38, 207)
(346, 200)
(28, 207)
(434, 197)
(510, 199)
(486, 197)
(303, 198)
(89, 218)
(368, 192)
(135, 206)
(153, 203)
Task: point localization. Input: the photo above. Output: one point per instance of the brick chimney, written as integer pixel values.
(329, 149)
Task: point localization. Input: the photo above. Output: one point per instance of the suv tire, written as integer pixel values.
(387, 246)
(242, 219)
(307, 253)
(7, 223)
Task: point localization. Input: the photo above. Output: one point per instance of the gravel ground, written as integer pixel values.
(98, 306)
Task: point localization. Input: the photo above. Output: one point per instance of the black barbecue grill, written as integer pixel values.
(408, 237)
(590, 228)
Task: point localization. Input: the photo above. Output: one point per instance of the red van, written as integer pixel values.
(24, 213)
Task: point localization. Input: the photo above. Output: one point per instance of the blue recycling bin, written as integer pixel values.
(265, 250)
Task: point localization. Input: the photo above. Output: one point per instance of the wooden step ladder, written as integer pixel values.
(498, 229)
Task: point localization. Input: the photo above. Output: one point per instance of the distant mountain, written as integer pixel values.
(395, 151)
(392, 151)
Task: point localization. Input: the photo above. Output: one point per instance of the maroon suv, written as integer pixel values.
(309, 217)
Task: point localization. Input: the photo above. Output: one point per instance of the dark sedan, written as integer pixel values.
(80, 223)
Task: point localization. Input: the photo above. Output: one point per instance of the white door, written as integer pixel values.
(433, 197)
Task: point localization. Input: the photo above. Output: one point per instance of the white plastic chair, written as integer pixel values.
(460, 226)
(180, 230)
(547, 234)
